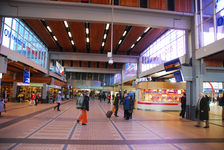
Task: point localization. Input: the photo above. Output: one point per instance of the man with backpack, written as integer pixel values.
(58, 98)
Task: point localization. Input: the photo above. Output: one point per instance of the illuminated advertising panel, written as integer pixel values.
(59, 69)
(26, 77)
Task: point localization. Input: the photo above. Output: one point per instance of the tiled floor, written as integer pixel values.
(41, 127)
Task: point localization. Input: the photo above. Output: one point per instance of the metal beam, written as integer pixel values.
(92, 70)
(92, 57)
(71, 11)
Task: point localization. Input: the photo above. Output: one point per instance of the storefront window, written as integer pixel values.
(205, 3)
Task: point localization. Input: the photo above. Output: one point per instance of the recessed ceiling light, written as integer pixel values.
(49, 29)
(107, 27)
(139, 38)
(120, 42)
(87, 40)
(72, 42)
(124, 33)
(132, 45)
(66, 24)
(105, 36)
(87, 30)
(103, 44)
(69, 33)
(146, 29)
(55, 38)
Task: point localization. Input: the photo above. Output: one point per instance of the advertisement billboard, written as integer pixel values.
(26, 77)
(59, 69)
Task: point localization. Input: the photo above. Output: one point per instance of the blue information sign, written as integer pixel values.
(178, 76)
(26, 77)
(172, 65)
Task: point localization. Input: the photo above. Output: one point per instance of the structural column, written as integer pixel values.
(14, 91)
(44, 93)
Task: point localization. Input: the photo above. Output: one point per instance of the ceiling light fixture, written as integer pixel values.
(146, 29)
(132, 45)
(55, 38)
(103, 44)
(87, 40)
(87, 30)
(107, 27)
(105, 36)
(66, 24)
(69, 33)
(139, 38)
(49, 29)
(120, 42)
(124, 33)
(72, 42)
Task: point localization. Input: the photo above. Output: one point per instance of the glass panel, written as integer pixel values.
(6, 36)
(83, 76)
(26, 35)
(15, 25)
(220, 25)
(13, 40)
(89, 76)
(29, 50)
(8, 21)
(207, 12)
(39, 57)
(20, 44)
(205, 2)
(25, 48)
(219, 6)
(208, 32)
(32, 53)
(21, 30)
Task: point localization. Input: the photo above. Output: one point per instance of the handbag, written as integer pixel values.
(114, 109)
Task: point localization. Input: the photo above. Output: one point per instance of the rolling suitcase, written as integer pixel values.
(109, 113)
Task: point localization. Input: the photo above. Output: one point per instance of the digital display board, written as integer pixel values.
(26, 77)
(172, 65)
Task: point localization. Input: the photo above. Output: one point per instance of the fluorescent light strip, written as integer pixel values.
(55, 38)
(105, 36)
(107, 27)
(49, 29)
(120, 42)
(66, 24)
(146, 29)
(103, 44)
(132, 45)
(87, 30)
(124, 33)
(87, 40)
(69, 33)
(139, 38)
(72, 42)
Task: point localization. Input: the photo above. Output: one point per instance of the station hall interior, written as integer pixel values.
(153, 50)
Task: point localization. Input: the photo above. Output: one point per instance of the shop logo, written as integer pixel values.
(220, 21)
(145, 79)
(8, 34)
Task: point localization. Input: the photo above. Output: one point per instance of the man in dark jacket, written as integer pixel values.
(132, 103)
(116, 104)
(202, 110)
(126, 103)
(183, 105)
(85, 108)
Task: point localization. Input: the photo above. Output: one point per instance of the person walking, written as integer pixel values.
(33, 97)
(84, 110)
(202, 111)
(4, 96)
(58, 98)
(109, 97)
(100, 96)
(116, 101)
(183, 105)
(126, 103)
(131, 107)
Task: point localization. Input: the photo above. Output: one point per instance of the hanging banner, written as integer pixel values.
(178, 76)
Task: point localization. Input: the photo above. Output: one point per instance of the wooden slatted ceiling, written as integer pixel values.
(100, 1)
(61, 35)
(151, 36)
(41, 31)
(84, 63)
(93, 64)
(75, 63)
(184, 5)
(78, 35)
(118, 30)
(157, 4)
(96, 36)
(102, 65)
(110, 66)
(133, 3)
(119, 66)
(13, 69)
(67, 63)
(130, 39)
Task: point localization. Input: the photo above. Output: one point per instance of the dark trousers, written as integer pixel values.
(57, 106)
(116, 111)
(127, 114)
(182, 113)
(36, 101)
(108, 101)
(100, 99)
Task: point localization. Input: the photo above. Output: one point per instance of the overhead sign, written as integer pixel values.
(172, 65)
(178, 76)
(145, 79)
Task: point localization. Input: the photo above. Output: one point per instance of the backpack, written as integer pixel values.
(80, 102)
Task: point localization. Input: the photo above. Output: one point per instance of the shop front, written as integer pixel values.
(24, 91)
(52, 91)
(159, 96)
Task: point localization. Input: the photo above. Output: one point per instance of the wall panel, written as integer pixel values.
(157, 4)
(133, 3)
